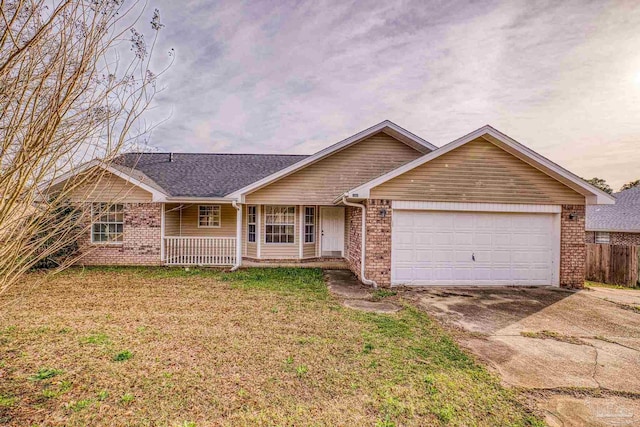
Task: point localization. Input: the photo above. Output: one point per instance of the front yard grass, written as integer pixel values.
(136, 346)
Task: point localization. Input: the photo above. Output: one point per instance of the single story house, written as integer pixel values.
(617, 224)
(481, 210)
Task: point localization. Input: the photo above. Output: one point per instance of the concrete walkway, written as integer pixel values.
(553, 342)
(345, 286)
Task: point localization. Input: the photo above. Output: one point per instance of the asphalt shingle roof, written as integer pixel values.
(202, 175)
(623, 216)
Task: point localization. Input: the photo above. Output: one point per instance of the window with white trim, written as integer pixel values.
(251, 224)
(602, 237)
(107, 223)
(309, 224)
(279, 224)
(209, 216)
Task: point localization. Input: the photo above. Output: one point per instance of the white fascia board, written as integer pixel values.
(239, 194)
(156, 195)
(612, 230)
(475, 207)
(594, 196)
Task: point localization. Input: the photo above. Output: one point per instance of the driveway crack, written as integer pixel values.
(595, 368)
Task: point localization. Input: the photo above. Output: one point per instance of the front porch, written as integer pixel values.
(212, 234)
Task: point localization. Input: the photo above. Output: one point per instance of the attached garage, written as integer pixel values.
(448, 247)
(483, 210)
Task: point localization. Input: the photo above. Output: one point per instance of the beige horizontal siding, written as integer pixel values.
(322, 182)
(108, 187)
(478, 171)
(188, 226)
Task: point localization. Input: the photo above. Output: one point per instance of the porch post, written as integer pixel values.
(259, 231)
(239, 235)
(162, 233)
(300, 232)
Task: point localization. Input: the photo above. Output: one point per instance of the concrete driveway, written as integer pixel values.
(578, 353)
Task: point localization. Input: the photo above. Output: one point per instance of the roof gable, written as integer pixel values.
(386, 126)
(592, 194)
(481, 172)
(320, 182)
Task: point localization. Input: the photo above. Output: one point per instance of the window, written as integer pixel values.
(107, 223)
(309, 225)
(251, 224)
(209, 216)
(279, 224)
(602, 237)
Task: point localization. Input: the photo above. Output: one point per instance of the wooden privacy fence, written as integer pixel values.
(612, 264)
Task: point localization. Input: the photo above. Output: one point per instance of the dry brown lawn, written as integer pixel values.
(135, 346)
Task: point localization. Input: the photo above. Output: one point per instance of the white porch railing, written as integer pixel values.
(200, 250)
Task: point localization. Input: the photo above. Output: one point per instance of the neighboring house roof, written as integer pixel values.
(203, 175)
(592, 194)
(623, 216)
(386, 126)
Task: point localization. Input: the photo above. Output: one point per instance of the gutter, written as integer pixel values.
(363, 242)
(238, 235)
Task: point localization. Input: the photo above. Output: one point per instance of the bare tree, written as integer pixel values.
(74, 82)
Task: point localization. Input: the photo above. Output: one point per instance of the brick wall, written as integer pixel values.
(353, 220)
(572, 247)
(141, 238)
(625, 239)
(378, 242)
(616, 238)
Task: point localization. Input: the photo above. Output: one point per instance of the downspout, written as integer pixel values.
(238, 235)
(363, 242)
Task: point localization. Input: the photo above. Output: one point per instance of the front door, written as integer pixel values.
(332, 227)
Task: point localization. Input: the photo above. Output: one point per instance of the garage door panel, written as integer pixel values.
(436, 247)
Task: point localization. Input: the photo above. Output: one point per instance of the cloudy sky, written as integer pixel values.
(292, 77)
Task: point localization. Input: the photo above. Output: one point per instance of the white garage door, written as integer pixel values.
(472, 248)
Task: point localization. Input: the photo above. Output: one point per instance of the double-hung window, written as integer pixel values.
(309, 224)
(107, 223)
(602, 237)
(251, 224)
(209, 216)
(279, 224)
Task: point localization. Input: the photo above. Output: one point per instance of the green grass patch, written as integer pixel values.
(7, 401)
(122, 356)
(589, 284)
(96, 339)
(45, 374)
(380, 294)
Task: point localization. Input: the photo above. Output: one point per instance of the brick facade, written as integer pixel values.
(572, 246)
(142, 236)
(353, 243)
(616, 238)
(378, 242)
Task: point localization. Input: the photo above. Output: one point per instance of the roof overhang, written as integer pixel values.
(593, 195)
(156, 195)
(178, 199)
(386, 126)
(613, 230)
